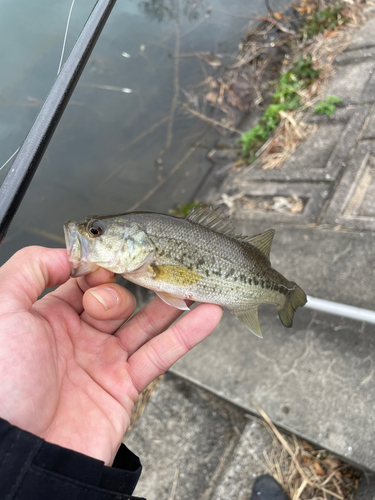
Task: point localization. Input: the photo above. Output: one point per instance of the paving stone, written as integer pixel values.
(304, 199)
(364, 37)
(320, 157)
(368, 95)
(355, 56)
(315, 380)
(247, 463)
(366, 489)
(342, 114)
(350, 81)
(369, 132)
(185, 438)
(352, 205)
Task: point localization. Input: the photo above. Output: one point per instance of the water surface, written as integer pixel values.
(112, 151)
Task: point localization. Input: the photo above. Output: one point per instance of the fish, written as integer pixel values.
(198, 258)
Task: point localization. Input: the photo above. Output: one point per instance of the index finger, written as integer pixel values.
(159, 354)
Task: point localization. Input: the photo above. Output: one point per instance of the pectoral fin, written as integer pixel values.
(173, 301)
(250, 319)
(141, 269)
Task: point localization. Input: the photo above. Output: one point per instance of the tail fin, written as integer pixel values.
(296, 298)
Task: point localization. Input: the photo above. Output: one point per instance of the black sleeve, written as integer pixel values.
(32, 469)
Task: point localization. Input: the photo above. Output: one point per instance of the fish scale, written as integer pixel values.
(198, 258)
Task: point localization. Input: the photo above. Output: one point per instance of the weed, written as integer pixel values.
(185, 208)
(321, 20)
(304, 70)
(286, 97)
(328, 106)
(253, 139)
(286, 91)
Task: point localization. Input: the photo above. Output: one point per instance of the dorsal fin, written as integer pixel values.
(214, 218)
(261, 241)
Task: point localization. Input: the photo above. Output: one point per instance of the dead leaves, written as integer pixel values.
(288, 135)
(305, 472)
(279, 204)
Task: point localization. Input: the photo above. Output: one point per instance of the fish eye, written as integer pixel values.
(95, 228)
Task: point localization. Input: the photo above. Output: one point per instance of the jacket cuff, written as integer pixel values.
(23, 454)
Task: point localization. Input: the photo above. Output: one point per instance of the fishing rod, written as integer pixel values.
(32, 150)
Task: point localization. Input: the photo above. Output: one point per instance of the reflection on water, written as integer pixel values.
(172, 9)
(123, 143)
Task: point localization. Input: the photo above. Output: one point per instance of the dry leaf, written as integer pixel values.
(319, 469)
(331, 34)
(212, 97)
(331, 462)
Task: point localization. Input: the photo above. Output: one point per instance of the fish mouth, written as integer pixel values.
(77, 250)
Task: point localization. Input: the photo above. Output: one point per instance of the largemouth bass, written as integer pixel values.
(198, 258)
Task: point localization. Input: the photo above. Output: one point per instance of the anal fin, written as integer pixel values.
(173, 301)
(249, 318)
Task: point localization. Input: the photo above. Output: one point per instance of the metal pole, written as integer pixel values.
(32, 150)
(338, 309)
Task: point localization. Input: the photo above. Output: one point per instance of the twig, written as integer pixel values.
(176, 87)
(269, 8)
(300, 490)
(130, 144)
(283, 441)
(213, 122)
(292, 121)
(174, 485)
(162, 181)
(278, 24)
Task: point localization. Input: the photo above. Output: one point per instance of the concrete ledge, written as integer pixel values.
(314, 380)
(185, 439)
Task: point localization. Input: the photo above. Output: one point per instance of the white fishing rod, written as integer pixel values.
(338, 309)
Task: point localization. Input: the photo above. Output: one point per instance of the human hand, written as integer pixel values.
(70, 370)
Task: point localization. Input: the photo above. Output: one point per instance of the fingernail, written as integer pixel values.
(107, 297)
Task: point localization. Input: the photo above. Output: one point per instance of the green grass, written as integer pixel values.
(185, 208)
(321, 20)
(328, 106)
(285, 98)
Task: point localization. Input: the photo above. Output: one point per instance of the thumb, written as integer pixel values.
(28, 273)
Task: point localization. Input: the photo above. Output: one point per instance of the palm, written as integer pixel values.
(66, 378)
(57, 375)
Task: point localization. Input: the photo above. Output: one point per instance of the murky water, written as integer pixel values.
(113, 151)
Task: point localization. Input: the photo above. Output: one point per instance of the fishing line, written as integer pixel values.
(58, 71)
(8, 160)
(65, 36)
